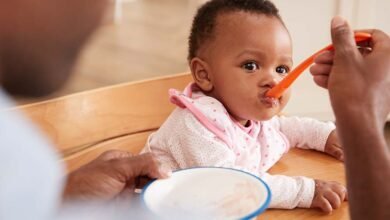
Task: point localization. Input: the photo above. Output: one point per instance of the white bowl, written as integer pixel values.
(207, 193)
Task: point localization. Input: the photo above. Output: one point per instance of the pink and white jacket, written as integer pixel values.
(200, 132)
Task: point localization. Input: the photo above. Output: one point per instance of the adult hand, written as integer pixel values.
(359, 89)
(112, 174)
(358, 83)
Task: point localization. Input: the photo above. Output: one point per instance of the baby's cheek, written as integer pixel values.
(285, 98)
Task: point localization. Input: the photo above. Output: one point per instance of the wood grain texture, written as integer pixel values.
(131, 143)
(89, 117)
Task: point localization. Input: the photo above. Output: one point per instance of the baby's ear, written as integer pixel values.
(201, 74)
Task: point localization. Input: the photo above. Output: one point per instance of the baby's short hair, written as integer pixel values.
(203, 24)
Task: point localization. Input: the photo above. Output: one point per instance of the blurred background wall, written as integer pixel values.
(141, 39)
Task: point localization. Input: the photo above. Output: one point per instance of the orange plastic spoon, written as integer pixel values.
(279, 89)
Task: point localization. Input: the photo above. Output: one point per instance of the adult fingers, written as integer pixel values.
(142, 165)
(114, 154)
(325, 57)
(142, 181)
(321, 80)
(378, 38)
(320, 69)
(343, 38)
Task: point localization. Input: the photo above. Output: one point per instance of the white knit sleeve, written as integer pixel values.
(306, 133)
(183, 142)
(290, 192)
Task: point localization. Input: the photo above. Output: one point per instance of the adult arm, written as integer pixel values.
(359, 89)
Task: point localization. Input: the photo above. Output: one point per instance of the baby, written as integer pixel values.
(238, 50)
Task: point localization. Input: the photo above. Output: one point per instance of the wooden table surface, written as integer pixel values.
(312, 164)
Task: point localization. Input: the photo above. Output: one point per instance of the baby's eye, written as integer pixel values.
(250, 66)
(282, 70)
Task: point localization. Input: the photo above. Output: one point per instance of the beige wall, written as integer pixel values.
(141, 45)
(308, 22)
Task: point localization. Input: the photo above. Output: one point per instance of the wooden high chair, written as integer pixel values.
(84, 125)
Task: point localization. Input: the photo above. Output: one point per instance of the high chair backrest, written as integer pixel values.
(85, 124)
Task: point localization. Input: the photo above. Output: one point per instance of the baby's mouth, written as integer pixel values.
(269, 101)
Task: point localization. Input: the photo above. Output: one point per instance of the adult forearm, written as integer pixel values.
(367, 161)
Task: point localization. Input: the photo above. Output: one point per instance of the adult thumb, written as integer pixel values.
(342, 37)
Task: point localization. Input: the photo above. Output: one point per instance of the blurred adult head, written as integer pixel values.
(40, 41)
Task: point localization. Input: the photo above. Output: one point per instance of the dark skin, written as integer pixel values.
(113, 174)
(39, 45)
(43, 42)
(241, 73)
(361, 109)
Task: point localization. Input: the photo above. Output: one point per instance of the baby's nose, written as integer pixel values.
(270, 80)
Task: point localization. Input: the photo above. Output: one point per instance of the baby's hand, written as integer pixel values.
(333, 146)
(328, 195)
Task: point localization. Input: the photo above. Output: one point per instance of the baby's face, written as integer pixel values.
(249, 55)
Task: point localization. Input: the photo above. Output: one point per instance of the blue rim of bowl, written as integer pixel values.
(255, 213)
